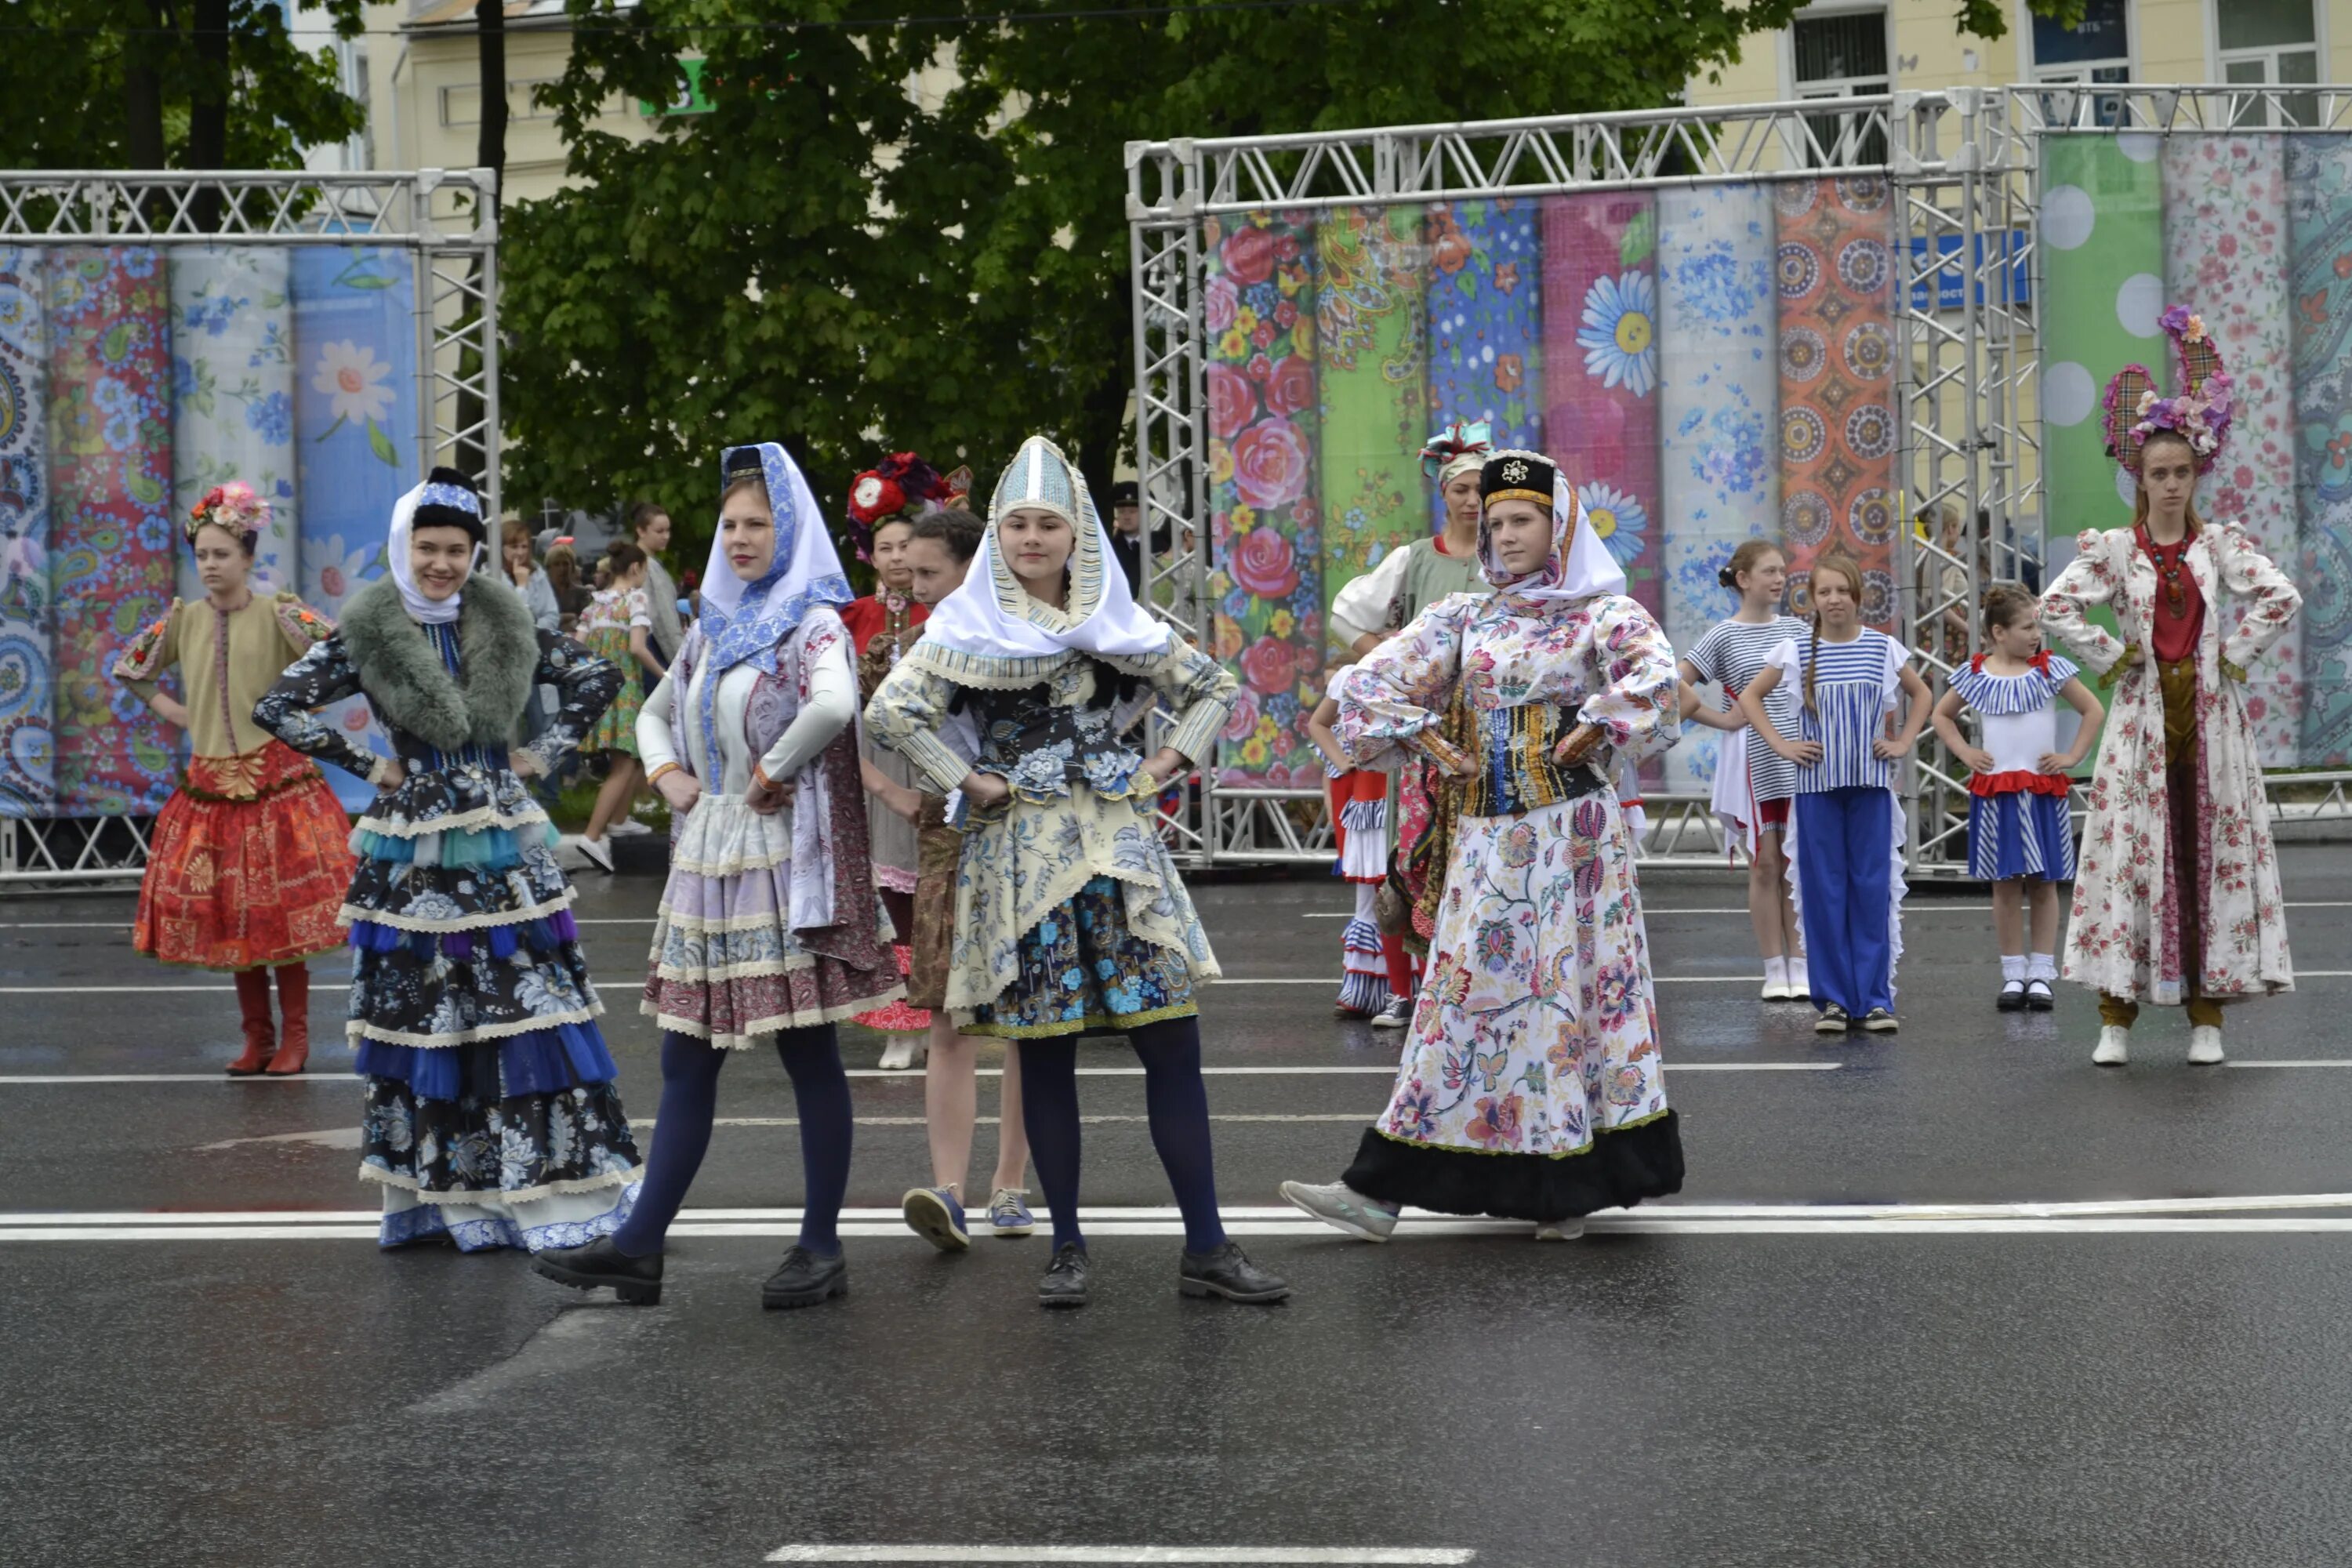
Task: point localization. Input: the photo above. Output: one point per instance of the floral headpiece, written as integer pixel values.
(1457, 448)
(887, 488)
(2200, 413)
(233, 506)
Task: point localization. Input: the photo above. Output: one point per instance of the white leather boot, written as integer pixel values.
(2115, 1045)
(2205, 1044)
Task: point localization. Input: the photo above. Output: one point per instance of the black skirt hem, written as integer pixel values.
(1619, 1171)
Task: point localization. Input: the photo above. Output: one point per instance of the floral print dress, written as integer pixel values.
(604, 628)
(1531, 1087)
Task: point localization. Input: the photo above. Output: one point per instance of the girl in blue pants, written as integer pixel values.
(1849, 829)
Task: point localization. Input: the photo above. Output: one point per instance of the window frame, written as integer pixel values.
(1829, 89)
(2222, 61)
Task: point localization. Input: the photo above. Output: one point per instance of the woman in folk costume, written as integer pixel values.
(883, 502)
(249, 858)
(2176, 898)
(1070, 918)
(769, 925)
(1384, 821)
(489, 1109)
(1531, 1086)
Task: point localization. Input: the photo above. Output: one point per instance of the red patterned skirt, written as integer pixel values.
(237, 883)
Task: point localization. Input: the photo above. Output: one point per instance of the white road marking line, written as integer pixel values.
(909, 1075)
(1253, 1554)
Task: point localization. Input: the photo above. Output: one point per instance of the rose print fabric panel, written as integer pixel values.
(111, 531)
(1834, 274)
(1266, 517)
(2225, 255)
(1485, 321)
(233, 394)
(1371, 342)
(28, 761)
(355, 436)
(2319, 285)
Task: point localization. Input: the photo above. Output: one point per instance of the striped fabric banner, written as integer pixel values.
(354, 433)
(1485, 315)
(111, 534)
(2226, 256)
(233, 402)
(1265, 523)
(1834, 271)
(27, 748)
(2319, 283)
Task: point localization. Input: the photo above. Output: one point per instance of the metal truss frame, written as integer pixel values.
(443, 218)
(1965, 167)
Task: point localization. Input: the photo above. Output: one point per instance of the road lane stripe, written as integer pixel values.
(1426, 1555)
(909, 1075)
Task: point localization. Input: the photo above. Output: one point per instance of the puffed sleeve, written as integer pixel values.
(1198, 690)
(150, 653)
(1637, 707)
(1362, 605)
(2089, 579)
(905, 715)
(1395, 696)
(584, 686)
(2272, 601)
(323, 676)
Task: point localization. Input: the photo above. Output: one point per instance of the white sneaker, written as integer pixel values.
(2115, 1045)
(626, 827)
(898, 1054)
(599, 853)
(1774, 991)
(2205, 1044)
(1341, 1207)
(1800, 981)
(1562, 1230)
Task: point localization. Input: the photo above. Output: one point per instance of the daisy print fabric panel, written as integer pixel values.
(27, 760)
(233, 394)
(354, 374)
(1485, 323)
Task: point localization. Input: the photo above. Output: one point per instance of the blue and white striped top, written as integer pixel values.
(1855, 687)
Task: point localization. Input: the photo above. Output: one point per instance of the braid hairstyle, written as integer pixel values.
(1843, 566)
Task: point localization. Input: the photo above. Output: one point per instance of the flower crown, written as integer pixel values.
(233, 506)
(2200, 413)
(889, 488)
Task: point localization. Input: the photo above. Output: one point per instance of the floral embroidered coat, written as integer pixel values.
(2125, 937)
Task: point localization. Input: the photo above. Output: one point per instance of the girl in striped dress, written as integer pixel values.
(1847, 816)
(2018, 827)
(1752, 786)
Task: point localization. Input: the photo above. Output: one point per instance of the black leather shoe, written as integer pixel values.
(1225, 1272)
(638, 1281)
(1065, 1284)
(803, 1280)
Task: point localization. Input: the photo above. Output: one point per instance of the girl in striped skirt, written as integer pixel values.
(2018, 827)
(1848, 819)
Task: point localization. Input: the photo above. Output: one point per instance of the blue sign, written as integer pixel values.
(1952, 275)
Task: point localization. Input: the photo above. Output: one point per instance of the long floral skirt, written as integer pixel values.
(1531, 1086)
(1083, 972)
(248, 866)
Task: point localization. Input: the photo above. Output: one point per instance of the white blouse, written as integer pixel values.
(832, 704)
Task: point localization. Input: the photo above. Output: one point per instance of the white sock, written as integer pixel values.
(1798, 975)
(2012, 968)
(2041, 966)
(1776, 972)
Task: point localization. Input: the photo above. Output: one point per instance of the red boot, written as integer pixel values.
(253, 1006)
(294, 1028)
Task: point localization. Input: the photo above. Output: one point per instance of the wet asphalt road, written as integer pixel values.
(1708, 1384)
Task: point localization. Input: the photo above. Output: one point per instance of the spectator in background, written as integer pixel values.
(572, 595)
(650, 526)
(538, 593)
(1127, 534)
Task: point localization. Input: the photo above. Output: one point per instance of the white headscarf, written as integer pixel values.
(1580, 566)
(992, 631)
(428, 612)
(746, 620)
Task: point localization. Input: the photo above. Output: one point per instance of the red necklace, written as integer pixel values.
(2168, 568)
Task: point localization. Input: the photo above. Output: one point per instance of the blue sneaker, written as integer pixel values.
(933, 1214)
(1008, 1212)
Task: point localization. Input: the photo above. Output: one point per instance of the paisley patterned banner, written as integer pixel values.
(2225, 254)
(1720, 475)
(1834, 270)
(111, 528)
(1486, 314)
(2319, 281)
(354, 431)
(1601, 344)
(1265, 522)
(1371, 349)
(232, 393)
(28, 761)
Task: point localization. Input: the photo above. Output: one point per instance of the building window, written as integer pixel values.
(2273, 43)
(1843, 56)
(462, 105)
(2097, 51)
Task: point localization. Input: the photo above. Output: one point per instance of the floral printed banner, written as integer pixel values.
(1371, 349)
(232, 393)
(1485, 313)
(1834, 269)
(1601, 344)
(354, 432)
(28, 761)
(2319, 282)
(1265, 525)
(2225, 257)
(1718, 470)
(111, 528)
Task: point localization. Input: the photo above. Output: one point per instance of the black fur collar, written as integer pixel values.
(497, 644)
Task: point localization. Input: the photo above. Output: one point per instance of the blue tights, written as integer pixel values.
(1175, 1098)
(689, 1102)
